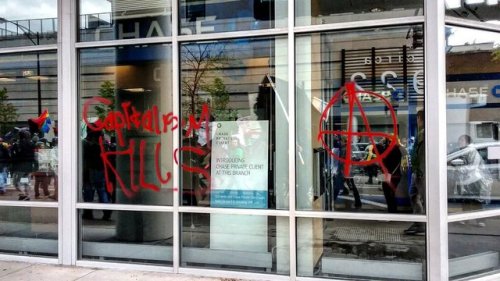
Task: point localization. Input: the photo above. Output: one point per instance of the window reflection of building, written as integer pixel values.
(250, 93)
(250, 75)
(482, 10)
(324, 11)
(393, 68)
(125, 19)
(471, 88)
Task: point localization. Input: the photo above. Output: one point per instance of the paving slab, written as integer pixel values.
(7, 267)
(44, 272)
(126, 275)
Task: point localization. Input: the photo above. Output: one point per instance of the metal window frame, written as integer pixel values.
(437, 217)
(435, 134)
(29, 49)
(30, 204)
(67, 106)
(359, 24)
(292, 221)
(176, 84)
(472, 24)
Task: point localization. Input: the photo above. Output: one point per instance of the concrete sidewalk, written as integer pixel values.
(20, 271)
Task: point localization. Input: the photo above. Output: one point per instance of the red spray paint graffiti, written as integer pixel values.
(350, 94)
(129, 118)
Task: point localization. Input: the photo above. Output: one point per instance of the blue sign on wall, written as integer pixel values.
(495, 91)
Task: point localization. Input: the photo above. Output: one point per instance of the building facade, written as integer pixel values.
(259, 139)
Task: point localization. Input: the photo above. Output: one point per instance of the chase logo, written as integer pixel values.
(495, 91)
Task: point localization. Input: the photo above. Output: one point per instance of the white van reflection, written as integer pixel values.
(457, 163)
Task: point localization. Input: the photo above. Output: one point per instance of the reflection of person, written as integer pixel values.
(111, 147)
(392, 162)
(474, 180)
(349, 179)
(404, 142)
(43, 174)
(371, 170)
(93, 171)
(54, 165)
(23, 162)
(417, 187)
(236, 150)
(4, 164)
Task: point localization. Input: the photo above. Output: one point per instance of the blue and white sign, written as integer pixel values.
(495, 91)
(239, 164)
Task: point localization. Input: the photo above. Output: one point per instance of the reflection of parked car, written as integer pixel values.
(489, 153)
(358, 151)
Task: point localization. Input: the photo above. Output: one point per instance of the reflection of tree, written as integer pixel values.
(496, 55)
(219, 100)
(106, 91)
(8, 112)
(197, 60)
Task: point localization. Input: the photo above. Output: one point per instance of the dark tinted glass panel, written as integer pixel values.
(28, 23)
(311, 12)
(360, 250)
(126, 123)
(234, 145)
(28, 231)
(124, 19)
(236, 242)
(28, 127)
(473, 99)
(360, 142)
(197, 17)
(126, 236)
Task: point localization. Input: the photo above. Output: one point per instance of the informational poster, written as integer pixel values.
(239, 164)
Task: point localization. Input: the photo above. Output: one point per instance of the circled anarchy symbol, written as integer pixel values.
(349, 92)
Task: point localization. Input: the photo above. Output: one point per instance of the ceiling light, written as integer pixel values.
(137, 90)
(491, 2)
(471, 2)
(6, 79)
(38, 77)
(453, 4)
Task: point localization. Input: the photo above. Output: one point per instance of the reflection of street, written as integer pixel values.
(372, 197)
(478, 240)
(366, 239)
(11, 193)
(351, 248)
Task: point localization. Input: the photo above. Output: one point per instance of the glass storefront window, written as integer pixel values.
(234, 150)
(28, 231)
(257, 244)
(124, 19)
(476, 10)
(27, 23)
(197, 17)
(360, 140)
(473, 127)
(126, 125)
(473, 247)
(312, 12)
(359, 250)
(28, 127)
(139, 237)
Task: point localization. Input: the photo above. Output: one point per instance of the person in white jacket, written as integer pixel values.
(473, 178)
